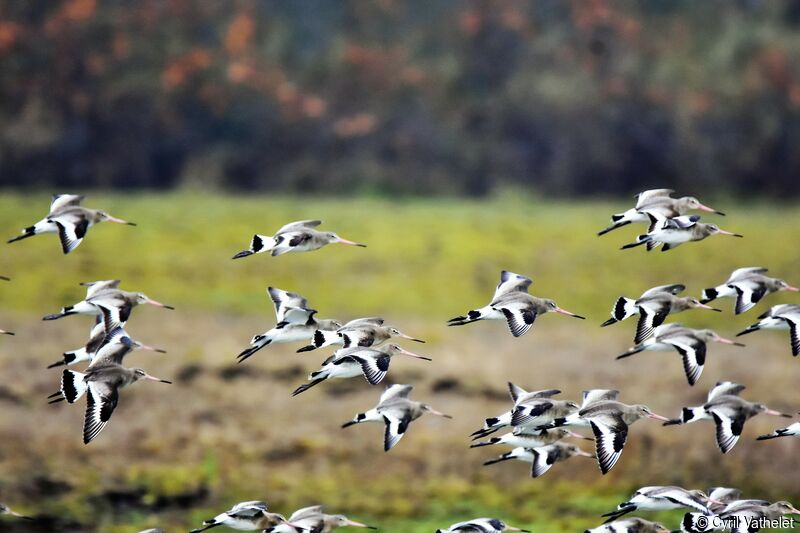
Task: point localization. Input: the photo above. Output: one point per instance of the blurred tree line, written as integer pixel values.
(396, 96)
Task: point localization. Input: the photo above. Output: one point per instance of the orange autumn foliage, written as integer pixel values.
(240, 33)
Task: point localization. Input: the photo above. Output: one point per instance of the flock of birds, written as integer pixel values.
(539, 425)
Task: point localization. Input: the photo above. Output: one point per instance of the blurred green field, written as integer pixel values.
(426, 258)
(175, 455)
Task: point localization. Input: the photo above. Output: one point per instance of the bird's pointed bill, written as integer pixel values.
(412, 354)
(153, 378)
(351, 243)
(159, 304)
(568, 313)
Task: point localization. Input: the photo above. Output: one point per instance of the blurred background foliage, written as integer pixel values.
(413, 97)
(182, 114)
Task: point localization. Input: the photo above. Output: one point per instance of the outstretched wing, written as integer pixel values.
(748, 294)
(93, 288)
(248, 510)
(725, 388)
(511, 282)
(740, 273)
(100, 403)
(545, 393)
(680, 497)
(307, 512)
(520, 319)
(675, 288)
(395, 391)
(651, 315)
(515, 391)
(610, 433)
(793, 320)
(374, 368)
(71, 231)
(396, 427)
(596, 395)
(360, 322)
(729, 429)
(526, 414)
(693, 354)
(60, 201)
(283, 300)
(543, 459)
(116, 345)
(298, 225)
(644, 196)
(296, 315)
(115, 312)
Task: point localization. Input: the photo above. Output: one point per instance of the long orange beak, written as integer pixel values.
(658, 417)
(159, 304)
(141, 346)
(438, 413)
(773, 412)
(119, 221)
(353, 523)
(704, 306)
(351, 243)
(728, 341)
(412, 354)
(790, 288)
(565, 312)
(702, 207)
(153, 378)
(723, 232)
(404, 336)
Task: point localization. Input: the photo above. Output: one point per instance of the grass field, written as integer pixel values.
(174, 455)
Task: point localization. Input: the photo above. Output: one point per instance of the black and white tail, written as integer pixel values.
(505, 457)
(623, 308)
(471, 316)
(259, 243)
(73, 386)
(640, 240)
(314, 381)
(618, 220)
(30, 231)
(258, 342)
(783, 432)
(691, 414)
(65, 311)
(69, 358)
(709, 295)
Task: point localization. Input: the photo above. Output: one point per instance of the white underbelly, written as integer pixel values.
(292, 334)
(85, 308)
(672, 236)
(345, 370)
